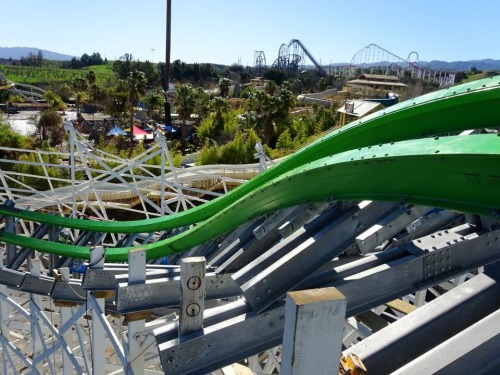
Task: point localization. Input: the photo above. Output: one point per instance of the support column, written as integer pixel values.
(10, 227)
(314, 328)
(98, 344)
(4, 319)
(136, 322)
(66, 314)
(192, 295)
(37, 341)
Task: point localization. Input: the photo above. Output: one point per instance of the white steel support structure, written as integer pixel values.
(136, 324)
(98, 348)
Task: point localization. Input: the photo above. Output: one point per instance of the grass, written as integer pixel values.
(47, 75)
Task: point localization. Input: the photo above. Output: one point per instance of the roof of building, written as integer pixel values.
(364, 82)
(379, 77)
(359, 108)
(95, 117)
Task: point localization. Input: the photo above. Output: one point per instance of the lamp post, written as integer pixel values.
(168, 117)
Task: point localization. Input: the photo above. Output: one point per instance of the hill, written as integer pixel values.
(18, 52)
(484, 64)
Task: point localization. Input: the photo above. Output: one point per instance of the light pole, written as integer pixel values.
(153, 55)
(168, 117)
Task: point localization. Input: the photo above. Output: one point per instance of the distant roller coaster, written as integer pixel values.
(293, 57)
(378, 59)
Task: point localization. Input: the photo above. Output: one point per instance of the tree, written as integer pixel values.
(117, 99)
(65, 91)
(219, 106)
(80, 84)
(54, 100)
(224, 87)
(123, 66)
(186, 102)
(275, 75)
(90, 78)
(136, 86)
(80, 98)
(96, 93)
(154, 101)
(9, 139)
(50, 128)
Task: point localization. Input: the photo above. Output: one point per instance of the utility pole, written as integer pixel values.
(168, 117)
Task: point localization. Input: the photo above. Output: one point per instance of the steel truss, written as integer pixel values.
(379, 60)
(123, 309)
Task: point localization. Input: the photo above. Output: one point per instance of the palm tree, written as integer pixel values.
(81, 86)
(80, 98)
(154, 100)
(186, 102)
(136, 86)
(224, 87)
(219, 106)
(90, 77)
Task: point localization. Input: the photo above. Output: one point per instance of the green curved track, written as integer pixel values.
(450, 172)
(473, 105)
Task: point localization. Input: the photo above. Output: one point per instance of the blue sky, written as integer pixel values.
(224, 31)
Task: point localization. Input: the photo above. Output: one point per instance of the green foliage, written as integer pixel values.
(190, 73)
(9, 138)
(285, 141)
(204, 130)
(45, 77)
(238, 151)
(54, 100)
(154, 101)
(50, 128)
(224, 84)
(278, 76)
(208, 154)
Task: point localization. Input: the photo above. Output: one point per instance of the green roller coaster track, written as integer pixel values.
(391, 155)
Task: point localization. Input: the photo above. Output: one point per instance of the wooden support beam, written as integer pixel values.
(192, 295)
(401, 306)
(314, 328)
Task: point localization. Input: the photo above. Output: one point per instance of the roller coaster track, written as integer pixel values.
(376, 58)
(390, 133)
(28, 92)
(298, 225)
(292, 56)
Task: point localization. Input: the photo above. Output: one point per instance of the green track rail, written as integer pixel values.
(468, 106)
(375, 158)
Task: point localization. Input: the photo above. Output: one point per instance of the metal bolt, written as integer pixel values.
(193, 309)
(194, 283)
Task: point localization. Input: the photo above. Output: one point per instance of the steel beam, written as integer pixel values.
(282, 275)
(472, 351)
(303, 217)
(165, 292)
(432, 324)
(229, 340)
(264, 237)
(388, 227)
(250, 265)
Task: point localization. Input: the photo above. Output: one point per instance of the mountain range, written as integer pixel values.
(17, 52)
(484, 64)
